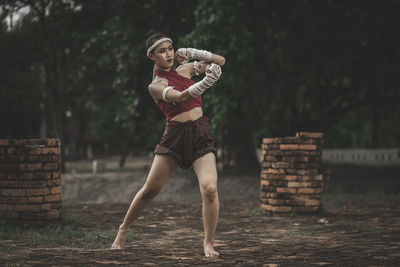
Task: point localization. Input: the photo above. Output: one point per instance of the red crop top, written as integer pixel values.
(179, 83)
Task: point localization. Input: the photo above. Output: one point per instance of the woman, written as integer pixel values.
(187, 140)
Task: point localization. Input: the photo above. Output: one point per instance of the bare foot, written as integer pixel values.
(120, 239)
(209, 250)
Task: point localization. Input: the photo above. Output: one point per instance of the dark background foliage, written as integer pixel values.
(77, 70)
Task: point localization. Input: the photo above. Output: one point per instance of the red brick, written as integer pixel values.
(50, 150)
(30, 167)
(30, 175)
(309, 190)
(286, 190)
(55, 174)
(53, 182)
(312, 202)
(3, 142)
(306, 196)
(310, 134)
(56, 205)
(290, 177)
(27, 207)
(318, 177)
(52, 142)
(50, 166)
(275, 201)
(21, 200)
(268, 188)
(42, 158)
(307, 147)
(271, 158)
(34, 184)
(279, 165)
(55, 190)
(13, 192)
(266, 207)
(289, 147)
(9, 214)
(291, 171)
(8, 167)
(37, 191)
(275, 171)
(10, 184)
(52, 214)
(52, 198)
(301, 184)
(290, 159)
(280, 183)
(266, 164)
(6, 207)
(34, 151)
(281, 209)
(265, 182)
(307, 171)
(271, 140)
(295, 202)
(276, 153)
(267, 195)
(45, 206)
(308, 165)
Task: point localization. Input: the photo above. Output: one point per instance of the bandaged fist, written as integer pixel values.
(213, 71)
(183, 55)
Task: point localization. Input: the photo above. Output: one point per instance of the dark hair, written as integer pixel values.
(153, 36)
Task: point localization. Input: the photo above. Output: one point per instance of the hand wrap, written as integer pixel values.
(213, 72)
(193, 53)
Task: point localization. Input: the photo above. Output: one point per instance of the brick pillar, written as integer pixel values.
(291, 180)
(30, 182)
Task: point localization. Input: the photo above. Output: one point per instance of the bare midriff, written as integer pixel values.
(190, 115)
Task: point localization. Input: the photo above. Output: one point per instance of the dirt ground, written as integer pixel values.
(359, 225)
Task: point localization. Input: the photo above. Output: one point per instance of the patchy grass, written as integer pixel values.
(257, 211)
(69, 232)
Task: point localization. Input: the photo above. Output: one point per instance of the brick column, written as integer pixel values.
(30, 182)
(291, 180)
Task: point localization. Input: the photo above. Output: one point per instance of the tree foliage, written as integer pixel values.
(80, 68)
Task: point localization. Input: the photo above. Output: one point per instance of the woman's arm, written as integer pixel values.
(190, 69)
(183, 55)
(160, 90)
(156, 90)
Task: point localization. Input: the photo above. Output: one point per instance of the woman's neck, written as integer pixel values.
(168, 69)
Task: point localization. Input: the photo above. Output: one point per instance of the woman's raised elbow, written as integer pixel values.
(222, 62)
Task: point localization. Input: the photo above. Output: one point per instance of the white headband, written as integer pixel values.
(157, 43)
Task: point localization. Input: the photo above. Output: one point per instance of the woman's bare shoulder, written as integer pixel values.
(158, 82)
(185, 69)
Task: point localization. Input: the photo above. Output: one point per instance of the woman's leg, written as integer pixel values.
(161, 170)
(206, 171)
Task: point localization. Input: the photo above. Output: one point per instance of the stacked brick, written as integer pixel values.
(291, 180)
(30, 182)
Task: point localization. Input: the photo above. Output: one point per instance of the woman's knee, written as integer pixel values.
(210, 192)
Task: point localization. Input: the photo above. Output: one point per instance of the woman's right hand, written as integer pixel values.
(181, 56)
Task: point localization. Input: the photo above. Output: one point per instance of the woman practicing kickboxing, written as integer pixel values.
(187, 140)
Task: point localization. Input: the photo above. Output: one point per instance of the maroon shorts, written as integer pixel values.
(186, 141)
